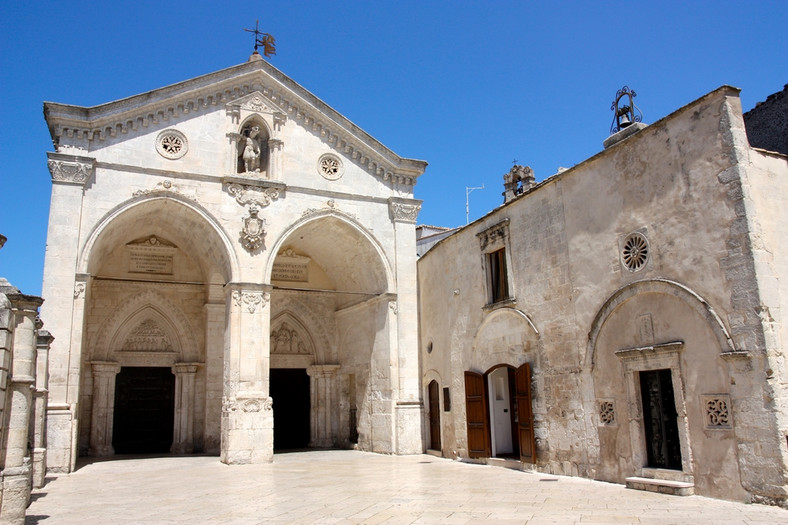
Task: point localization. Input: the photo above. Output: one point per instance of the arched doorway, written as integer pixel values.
(434, 415)
(329, 295)
(151, 371)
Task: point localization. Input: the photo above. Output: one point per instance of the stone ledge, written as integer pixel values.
(662, 486)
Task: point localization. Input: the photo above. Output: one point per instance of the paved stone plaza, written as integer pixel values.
(357, 487)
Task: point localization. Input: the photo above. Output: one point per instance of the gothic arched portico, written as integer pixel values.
(333, 276)
(151, 297)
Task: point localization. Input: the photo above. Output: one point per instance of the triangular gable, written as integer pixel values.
(255, 83)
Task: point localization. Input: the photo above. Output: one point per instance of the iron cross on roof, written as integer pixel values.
(263, 39)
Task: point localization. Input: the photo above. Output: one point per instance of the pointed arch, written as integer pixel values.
(346, 221)
(149, 303)
(291, 322)
(197, 233)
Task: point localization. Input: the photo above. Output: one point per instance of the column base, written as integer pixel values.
(247, 430)
(16, 493)
(39, 467)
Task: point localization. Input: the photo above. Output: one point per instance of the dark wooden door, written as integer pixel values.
(289, 389)
(144, 410)
(476, 416)
(660, 420)
(435, 416)
(525, 415)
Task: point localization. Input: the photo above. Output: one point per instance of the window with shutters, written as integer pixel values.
(494, 243)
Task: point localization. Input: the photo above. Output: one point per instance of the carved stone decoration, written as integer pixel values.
(232, 404)
(70, 168)
(172, 144)
(250, 299)
(253, 233)
(246, 194)
(287, 341)
(147, 337)
(496, 234)
(635, 252)
(257, 103)
(607, 413)
(330, 167)
(164, 187)
(79, 289)
(717, 408)
(404, 210)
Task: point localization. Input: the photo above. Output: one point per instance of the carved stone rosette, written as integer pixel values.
(250, 299)
(404, 210)
(70, 169)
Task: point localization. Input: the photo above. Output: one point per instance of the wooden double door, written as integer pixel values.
(503, 392)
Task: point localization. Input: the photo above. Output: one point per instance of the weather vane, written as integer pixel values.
(263, 39)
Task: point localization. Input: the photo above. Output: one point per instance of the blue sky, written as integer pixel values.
(467, 86)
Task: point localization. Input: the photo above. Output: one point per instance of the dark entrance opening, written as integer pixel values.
(290, 392)
(144, 410)
(660, 420)
(435, 416)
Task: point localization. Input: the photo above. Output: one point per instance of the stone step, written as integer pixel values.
(663, 486)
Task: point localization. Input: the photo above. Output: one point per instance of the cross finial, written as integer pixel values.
(263, 39)
(514, 162)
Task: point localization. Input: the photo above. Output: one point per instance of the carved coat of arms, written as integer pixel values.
(253, 234)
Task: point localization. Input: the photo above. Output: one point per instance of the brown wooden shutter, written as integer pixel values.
(476, 416)
(525, 426)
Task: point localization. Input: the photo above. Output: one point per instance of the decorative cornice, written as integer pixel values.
(404, 210)
(68, 124)
(165, 188)
(496, 233)
(70, 169)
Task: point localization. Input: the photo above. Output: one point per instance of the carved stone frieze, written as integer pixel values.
(494, 235)
(70, 169)
(286, 340)
(248, 194)
(232, 404)
(404, 210)
(147, 337)
(165, 187)
(250, 300)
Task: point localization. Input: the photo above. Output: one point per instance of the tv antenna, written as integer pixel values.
(468, 192)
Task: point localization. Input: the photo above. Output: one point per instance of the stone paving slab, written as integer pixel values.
(351, 487)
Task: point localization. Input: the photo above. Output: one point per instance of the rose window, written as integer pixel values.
(330, 166)
(635, 252)
(171, 144)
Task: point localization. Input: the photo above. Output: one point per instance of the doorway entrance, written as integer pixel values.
(144, 410)
(435, 416)
(660, 419)
(499, 415)
(289, 389)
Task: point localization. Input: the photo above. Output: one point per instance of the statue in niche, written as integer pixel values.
(250, 150)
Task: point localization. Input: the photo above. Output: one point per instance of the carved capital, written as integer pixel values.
(70, 169)
(404, 210)
(250, 299)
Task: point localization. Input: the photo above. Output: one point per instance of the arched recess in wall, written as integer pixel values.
(172, 216)
(292, 344)
(663, 286)
(252, 151)
(505, 335)
(149, 305)
(365, 269)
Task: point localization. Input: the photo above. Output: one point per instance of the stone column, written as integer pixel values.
(16, 474)
(101, 420)
(247, 415)
(38, 426)
(63, 311)
(183, 430)
(409, 408)
(324, 416)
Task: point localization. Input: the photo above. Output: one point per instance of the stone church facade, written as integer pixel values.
(230, 268)
(625, 319)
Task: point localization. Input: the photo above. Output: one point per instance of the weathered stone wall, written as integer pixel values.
(678, 186)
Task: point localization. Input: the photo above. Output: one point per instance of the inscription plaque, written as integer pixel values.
(151, 255)
(290, 267)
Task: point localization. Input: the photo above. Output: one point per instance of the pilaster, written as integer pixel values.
(101, 422)
(44, 341)
(183, 430)
(247, 415)
(324, 398)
